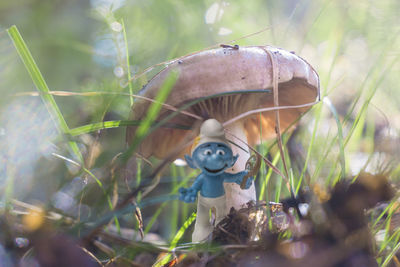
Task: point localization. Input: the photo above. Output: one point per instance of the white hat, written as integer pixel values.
(210, 131)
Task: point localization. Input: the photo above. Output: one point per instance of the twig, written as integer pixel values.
(139, 218)
(145, 159)
(396, 261)
(229, 234)
(275, 87)
(92, 256)
(104, 248)
(253, 111)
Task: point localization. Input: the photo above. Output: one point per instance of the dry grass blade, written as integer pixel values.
(396, 261)
(92, 256)
(104, 248)
(275, 86)
(259, 110)
(139, 219)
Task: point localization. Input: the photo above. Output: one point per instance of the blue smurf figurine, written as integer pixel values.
(212, 154)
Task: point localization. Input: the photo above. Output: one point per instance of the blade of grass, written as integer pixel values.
(185, 209)
(182, 230)
(386, 242)
(128, 65)
(378, 63)
(387, 226)
(391, 255)
(310, 146)
(9, 188)
(373, 88)
(94, 223)
(154, 108)
(115, 124)
(175, 240)
(278, 190)
(332, 108)
(152, 112)
(267, 178)
(100, 184)
(275, 86)
(173, 192)
(42, 87)
(175, 204)
(314, 22)
(385, 211)
(375, 85)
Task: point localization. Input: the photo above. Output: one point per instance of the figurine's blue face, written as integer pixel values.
(212, 158)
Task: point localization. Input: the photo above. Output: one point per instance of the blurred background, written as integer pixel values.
(98, 45)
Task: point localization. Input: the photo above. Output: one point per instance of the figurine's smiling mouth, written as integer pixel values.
(215, 171)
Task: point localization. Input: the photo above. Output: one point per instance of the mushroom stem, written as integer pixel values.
(235, 196)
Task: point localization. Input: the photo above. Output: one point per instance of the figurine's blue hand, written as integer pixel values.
(239, 176)
(187, 195)
(248, 182)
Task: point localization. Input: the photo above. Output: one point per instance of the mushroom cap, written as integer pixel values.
(245, 77)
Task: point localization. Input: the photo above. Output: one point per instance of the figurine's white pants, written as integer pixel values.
(203, 226)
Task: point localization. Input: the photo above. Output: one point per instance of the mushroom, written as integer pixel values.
(236, 80)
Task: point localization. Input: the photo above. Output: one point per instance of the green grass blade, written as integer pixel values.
(152, 112)
(173, 192)
(386, 242)
(128, 65)
(42, 87)
(391, 255)
(278, 190)
(265, 181)
(332, 108)
(175, 240)
(114, 124)
(175, 204)
(155, 108)
(310, 146)
(372, 90)
(375, 86)
(97, 180)
(182, 230)
(100, 126)
(385, 211)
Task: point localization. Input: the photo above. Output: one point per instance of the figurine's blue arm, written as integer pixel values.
(237, 178)
(189, 195)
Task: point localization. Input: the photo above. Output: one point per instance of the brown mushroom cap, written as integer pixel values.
(245, 76)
